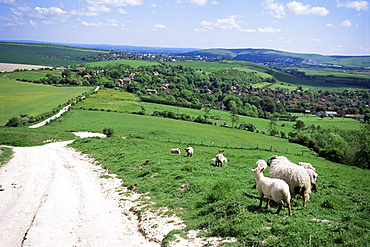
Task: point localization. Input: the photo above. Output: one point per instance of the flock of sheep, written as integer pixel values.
(286, 178)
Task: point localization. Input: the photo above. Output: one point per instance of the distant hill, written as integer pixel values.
(123, 48)
(271, 57)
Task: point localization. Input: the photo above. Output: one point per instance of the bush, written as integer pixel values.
(108, 131)
(13, 122)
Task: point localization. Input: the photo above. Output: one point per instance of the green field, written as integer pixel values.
(41, 54)
(224, 200)
(220, 201)
(32, 99)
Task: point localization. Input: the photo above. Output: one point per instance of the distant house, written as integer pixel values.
(123, 81)
(327, 113)
(354, 116)
(151, 91)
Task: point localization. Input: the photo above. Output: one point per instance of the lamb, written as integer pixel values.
(261, 163)
(175, 151)
(190, 151)
(296, 176)
(306, 165)
(273, 188)
(220, 158)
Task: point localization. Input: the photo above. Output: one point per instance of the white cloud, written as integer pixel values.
(117, 3)
(269, 30)
(83, 13)
(298, 8)
(50, 11)
(108, 23)
(346, 23)
(33, 23)
(227, 23)
(316, 40)
(122, 11)
(199, 2)
(11, 2)
(98, 8)
(153, 5)
(356, 5)
(329, 25)
(157, 27)
(275, 9)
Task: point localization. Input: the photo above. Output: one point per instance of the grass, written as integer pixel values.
(27, 75)
(221, 201)
(32, 99)
(112, 100)
(5, 155)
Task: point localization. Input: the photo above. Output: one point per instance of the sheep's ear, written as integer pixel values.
(252, 170)
(262, 169)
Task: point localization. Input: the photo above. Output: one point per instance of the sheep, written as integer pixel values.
(313, 177)
(296, 176)
(306, 165)
(273, 188)
(175, 151)
(220, 158)
(261, 163)
(311, 172)
(190, 151)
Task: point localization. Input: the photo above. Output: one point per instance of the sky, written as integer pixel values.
(328, 27)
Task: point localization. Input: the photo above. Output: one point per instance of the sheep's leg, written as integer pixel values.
(261, 199)
(268, 203)
(314, 188)
(289, 208)
(281, 204)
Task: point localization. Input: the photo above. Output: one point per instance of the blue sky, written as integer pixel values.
(330, 27)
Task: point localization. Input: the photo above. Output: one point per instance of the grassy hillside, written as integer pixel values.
(223, 200)
(273, 56)
(41, 54)
(32, 99)
(220, 201)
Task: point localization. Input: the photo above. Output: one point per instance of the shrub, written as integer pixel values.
(108, 131)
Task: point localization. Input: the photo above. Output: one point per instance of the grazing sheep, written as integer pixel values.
(175, 151)
(306, 165)
(313, 177)
(296, 176)
(220, 158)
(273, 188)
(190, 151)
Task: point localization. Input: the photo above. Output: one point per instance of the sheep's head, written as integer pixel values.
(274, 157)
(221, 151)
(258, 169)
(261, 163)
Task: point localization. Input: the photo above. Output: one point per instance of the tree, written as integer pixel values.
(233, 111)
(299, 125)
(13, 122)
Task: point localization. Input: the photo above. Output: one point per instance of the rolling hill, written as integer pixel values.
(271, 57)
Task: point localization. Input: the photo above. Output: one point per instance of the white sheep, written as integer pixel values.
(220, 158)
(190, 151)
(313, 177)
(273, 188)
(175, 151)
(261, 163)
(296, 176)
(306, 165)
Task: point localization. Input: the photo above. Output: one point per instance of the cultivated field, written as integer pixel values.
(32, 99)
(9, 67)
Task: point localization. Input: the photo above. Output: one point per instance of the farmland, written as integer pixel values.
(32, 99)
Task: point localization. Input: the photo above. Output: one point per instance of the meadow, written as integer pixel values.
(218, 201)
(223, 201)
(32, 99)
